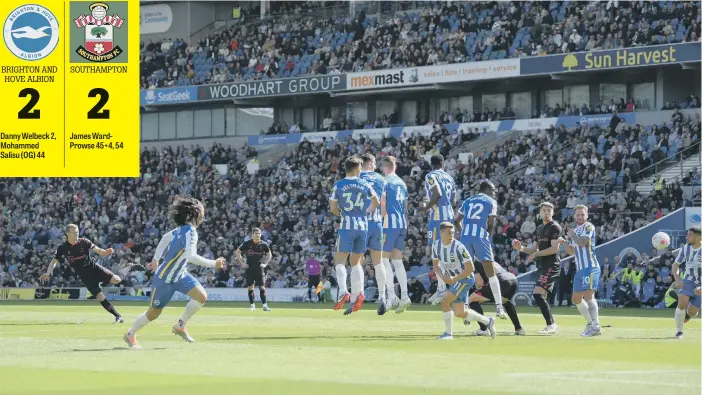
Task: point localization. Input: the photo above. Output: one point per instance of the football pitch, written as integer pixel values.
(53, 347)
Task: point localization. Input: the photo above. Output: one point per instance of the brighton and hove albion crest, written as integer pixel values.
(99, 29)
(31, 32)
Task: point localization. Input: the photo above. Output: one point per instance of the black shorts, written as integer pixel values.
(93, 276)
(547, 276)
(313, 281)
(255, 277)
(508, 288)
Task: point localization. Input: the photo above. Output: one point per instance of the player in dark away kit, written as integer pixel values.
(508, 288)
(545, 252)
(258, 254)
(76, 252)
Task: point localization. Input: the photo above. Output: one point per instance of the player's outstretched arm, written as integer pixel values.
(334, 208)
(49, 270)
(468, 269)
(553, 250)
(190, 252)
(102, 252)
(517, 245)
(676, 276)
(458, 223)
(569, 249)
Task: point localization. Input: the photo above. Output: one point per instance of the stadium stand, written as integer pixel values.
(590, 164)
(297, 44)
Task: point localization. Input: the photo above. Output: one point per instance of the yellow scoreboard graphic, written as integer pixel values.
(69, 88)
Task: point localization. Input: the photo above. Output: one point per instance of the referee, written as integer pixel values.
(548, 264)
(258, 254)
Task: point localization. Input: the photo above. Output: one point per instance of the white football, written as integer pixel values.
(661, 240)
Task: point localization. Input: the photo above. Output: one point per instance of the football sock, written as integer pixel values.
(679, 319)
(389, 279)
(251, 296)
(475, 316)
(495, 288)
(448, 322)
(594, 311)
(512, 313)
(139, 323)
(108, 306)
(476, 307)
(545, 308)
(341, 278)
(380, 279)
(584, 309)
(262, 294)
(190, 309)
(401, 277)
(356, 280)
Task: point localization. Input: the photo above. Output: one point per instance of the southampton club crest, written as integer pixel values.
(99, 30)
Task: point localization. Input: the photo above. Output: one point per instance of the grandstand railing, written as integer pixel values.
(669, 162)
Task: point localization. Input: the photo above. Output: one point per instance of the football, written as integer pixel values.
(661, 240)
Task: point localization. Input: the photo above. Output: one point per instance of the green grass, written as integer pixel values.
(73, 348)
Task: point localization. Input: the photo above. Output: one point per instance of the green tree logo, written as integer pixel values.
(569, 62)
(98, 31)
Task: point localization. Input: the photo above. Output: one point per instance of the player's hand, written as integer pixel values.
(698, 291)
(152, 266)
(517, 245)
(678, 284)
(109, 251)
(562, 241)
(531, 257)
(571, 232)
(44, 277)
(220, 263)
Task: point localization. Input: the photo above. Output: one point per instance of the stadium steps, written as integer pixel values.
(272, 156)
(487, 141)
(678, 170)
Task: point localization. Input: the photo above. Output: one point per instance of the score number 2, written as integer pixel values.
(97, 112)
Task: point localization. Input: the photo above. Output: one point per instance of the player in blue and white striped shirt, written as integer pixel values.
(441, 195)
(375, 226)
(587, 274)
(458, 274)
(689, 262)
(475, 221)
(176, 249)
(394, 204)
(352, 199)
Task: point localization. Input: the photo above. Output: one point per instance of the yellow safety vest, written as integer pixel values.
(628, 275)
(669, 299)
(636, 278)
(236, 13)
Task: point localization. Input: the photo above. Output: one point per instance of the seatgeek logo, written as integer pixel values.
(168, 96)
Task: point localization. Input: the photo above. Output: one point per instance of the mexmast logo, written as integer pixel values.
(383, 79)
(99, 43)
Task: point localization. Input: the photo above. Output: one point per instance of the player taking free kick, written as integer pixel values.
(76, 252)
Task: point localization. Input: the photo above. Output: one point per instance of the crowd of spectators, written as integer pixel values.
(288, 200)
(297, 43)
